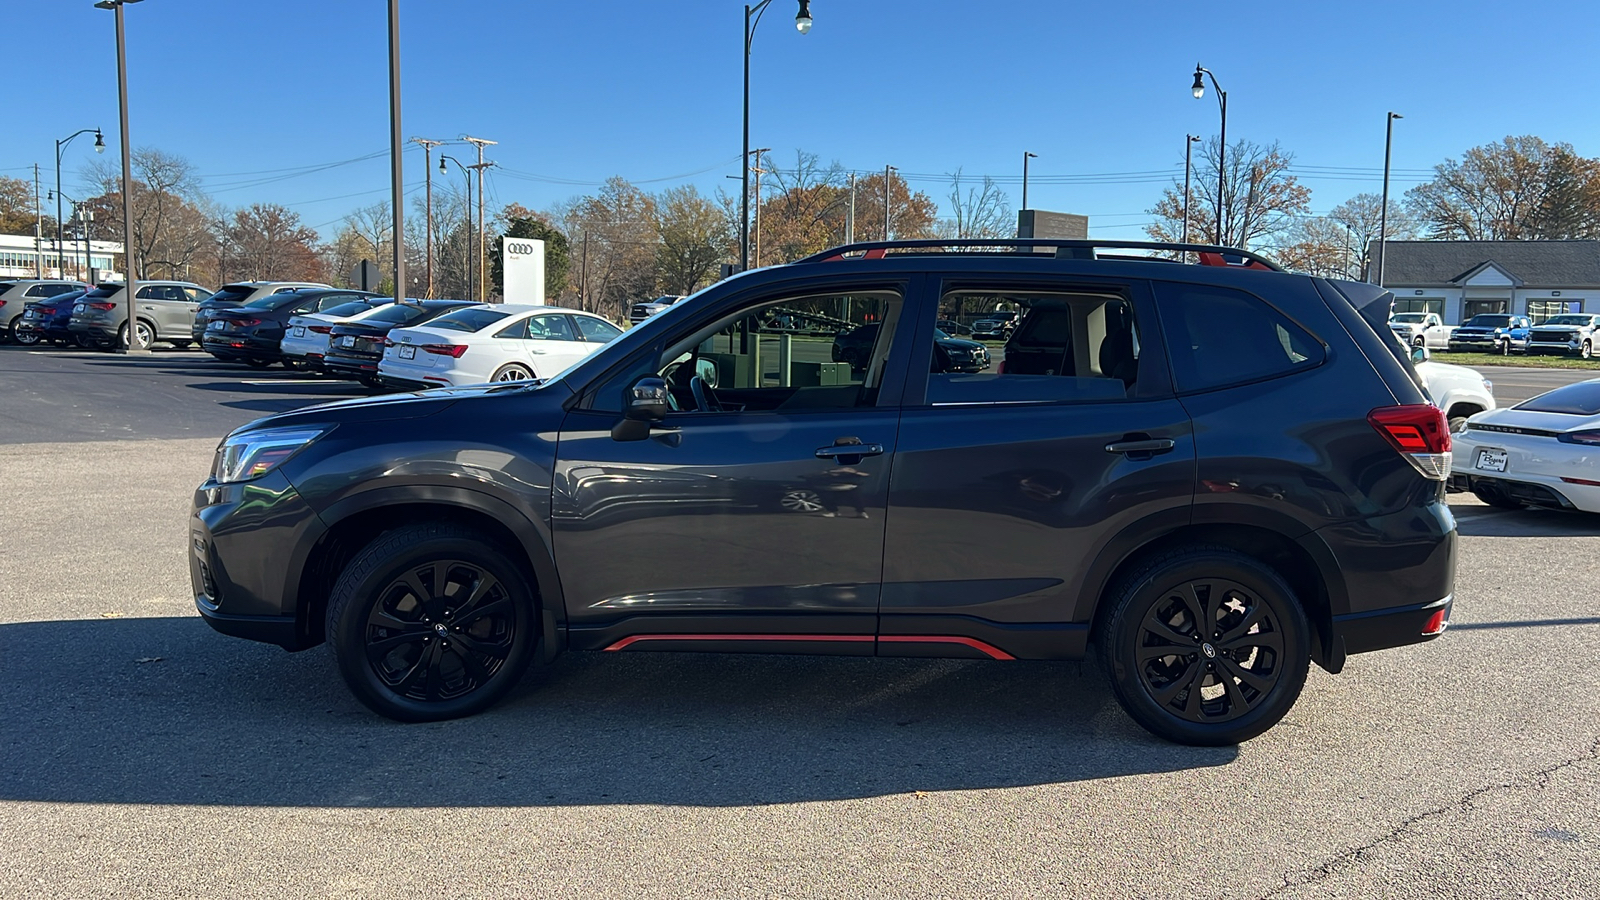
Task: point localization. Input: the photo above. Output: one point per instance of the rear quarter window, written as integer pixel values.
(1218, 337)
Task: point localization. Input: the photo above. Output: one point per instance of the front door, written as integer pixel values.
(1012, 479)
(753, 518)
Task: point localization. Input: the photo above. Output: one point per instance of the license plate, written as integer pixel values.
(1491, 460)
(347, 342)
(215, 326)
(408, 353)
(299, 331)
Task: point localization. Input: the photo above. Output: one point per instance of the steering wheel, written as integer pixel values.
(705, 399)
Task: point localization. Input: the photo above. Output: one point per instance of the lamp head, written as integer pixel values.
(442, 169)
(1194, 138)
(802, 19)
(1199, 87)
(1395, 115)
(99, 142)
(1032, 155)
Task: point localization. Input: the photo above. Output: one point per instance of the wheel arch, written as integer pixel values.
(1305, 562)
(354, 522)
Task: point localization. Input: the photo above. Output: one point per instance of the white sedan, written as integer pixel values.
(305, 338)
(497, 342)
(1541, 452)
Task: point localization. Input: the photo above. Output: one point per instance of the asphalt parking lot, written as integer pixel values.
(146, 756)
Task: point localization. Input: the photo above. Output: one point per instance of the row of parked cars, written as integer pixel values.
(1567, 334)
(354, 334)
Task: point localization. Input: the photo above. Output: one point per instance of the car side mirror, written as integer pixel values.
(1419, 354)
(644, 405)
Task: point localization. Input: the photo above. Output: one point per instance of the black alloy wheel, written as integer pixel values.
(431, 622)
(1206, 646)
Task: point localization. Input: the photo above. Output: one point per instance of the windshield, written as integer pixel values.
(1581, 399)
(468, 320)
(1410, 318)
(1567, 320)
(1490, 321)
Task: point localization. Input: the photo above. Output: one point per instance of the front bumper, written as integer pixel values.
(1550, 347)
(247, 547)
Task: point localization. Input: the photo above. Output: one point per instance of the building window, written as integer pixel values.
(1421, 305)
(1539, 310)
(1479, 307)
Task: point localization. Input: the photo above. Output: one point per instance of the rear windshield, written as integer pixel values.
(1490, 321)
(397, 314)
(272, 301)
(233, 293)
(1581, 399)
(468, 320)
(105, 290)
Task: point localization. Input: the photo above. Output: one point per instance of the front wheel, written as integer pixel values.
(1205, 646)
(1418, 341)
(1587, 352)
(1504, 348)
(431, 622)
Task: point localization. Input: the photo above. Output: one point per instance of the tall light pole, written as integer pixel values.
(427, 171)
(467, 171)
(1025, 157)
(752, 18)
(397, 188)
(1199, 90)
(131, 345)
(99, 147)
(1383, 212)
(850, 216)
(38, 227)
(1188, 147)
(886, 172)
(483, 289)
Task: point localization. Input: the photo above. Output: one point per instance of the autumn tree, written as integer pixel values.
(694, 240)
(1260, 200)
(615, 231)
(267, 242)
(17, 213)
(174, 230)
(1520, 189)
(1336, 245)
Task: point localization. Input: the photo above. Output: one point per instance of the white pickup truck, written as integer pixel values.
(1457, 390)
(1421, 329)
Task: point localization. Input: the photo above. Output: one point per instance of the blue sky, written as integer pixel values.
(579, 91)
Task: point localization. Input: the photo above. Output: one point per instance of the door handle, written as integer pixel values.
(844, 452)
(1147, 447)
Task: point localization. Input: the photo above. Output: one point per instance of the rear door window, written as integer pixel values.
(597, 331)
(550, 328)
(1218, 337)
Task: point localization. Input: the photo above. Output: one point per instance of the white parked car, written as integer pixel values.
(1422, 329)
(305, 338)
(1541, 452)
(1459, 391)
(498, 342)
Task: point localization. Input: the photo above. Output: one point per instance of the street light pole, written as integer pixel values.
(396, 161)
(427, 171)
(1025, 157)
(99, 147)
(850, 218)
(1383, 212)
(752, 18)
(886, 171)
(1188, 148)
(1199, 89)
(131, 345)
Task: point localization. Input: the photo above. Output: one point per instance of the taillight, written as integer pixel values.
(388, 343)
(1579, 437)
(247, 322)
(104, 306)
(320, 329)
(1420, 432)
(453, 351)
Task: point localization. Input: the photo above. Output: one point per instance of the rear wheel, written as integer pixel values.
(27, 337)
(142, 330)
(431, 622)
(1205, 646)
(513, 372)
(183, 345)
(1458, 424)
(82, 340)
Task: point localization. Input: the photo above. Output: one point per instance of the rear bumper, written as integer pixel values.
(1386, 628)
(1546, 491)
(99, 330)
(240, 347)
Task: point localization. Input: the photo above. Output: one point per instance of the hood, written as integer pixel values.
(390, 407)
(960, 342)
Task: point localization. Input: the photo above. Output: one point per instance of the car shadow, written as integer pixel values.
(163, 710)
(1487, 521)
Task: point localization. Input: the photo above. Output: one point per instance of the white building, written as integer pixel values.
(21, 256)
(1460, 279)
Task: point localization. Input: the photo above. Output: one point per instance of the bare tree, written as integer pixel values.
(173, 220)
(1260, 200)
(979, 212)
(619, 225)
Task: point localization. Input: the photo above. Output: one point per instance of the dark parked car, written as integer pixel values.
(230, 296)
(16, 294)
(251, 333)
(1232, 472)
(951, 354)
(46, 320)
(355, 348)
(994, 327)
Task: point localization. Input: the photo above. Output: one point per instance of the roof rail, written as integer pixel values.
(1207, 254)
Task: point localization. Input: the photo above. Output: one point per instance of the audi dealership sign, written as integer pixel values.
(524, 267)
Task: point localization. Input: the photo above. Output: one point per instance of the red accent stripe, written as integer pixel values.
(990, 650)
(851, 638)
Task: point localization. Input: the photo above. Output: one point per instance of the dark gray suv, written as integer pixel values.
(1214, 474)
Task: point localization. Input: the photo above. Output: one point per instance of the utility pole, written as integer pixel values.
(886, 171)
(850, 217)
(427, 170)
(756, 168)
(480, 143)
(38, 227)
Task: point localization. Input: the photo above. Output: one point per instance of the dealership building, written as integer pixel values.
(24, 256)
(1460, 279)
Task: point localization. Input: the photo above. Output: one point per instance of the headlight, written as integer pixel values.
(253, 454)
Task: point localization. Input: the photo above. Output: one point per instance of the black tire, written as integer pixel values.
(1255, 669)
(183, 345)
(1458, 424)
(371, 382)
(1492, 496)
(83, 341)
(512, 372)
(1418, 341)
(420, 673)
(258, 363)
(27, 337)
(1504, 349)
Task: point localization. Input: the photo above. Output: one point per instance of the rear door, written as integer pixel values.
(167, 307)
(1009, 484)
(553, 344)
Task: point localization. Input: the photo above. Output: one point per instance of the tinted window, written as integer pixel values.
(1490, 321)
(329, 301)
(1581, 399)
(468, 320)
(550, 328)
(1568, 320)
(396, 314)
(597, 330)
(1219, 337)
(272, 302)
(194, 295)
(516, 331)
(346, 309)
(104, 291)
(233, 293)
